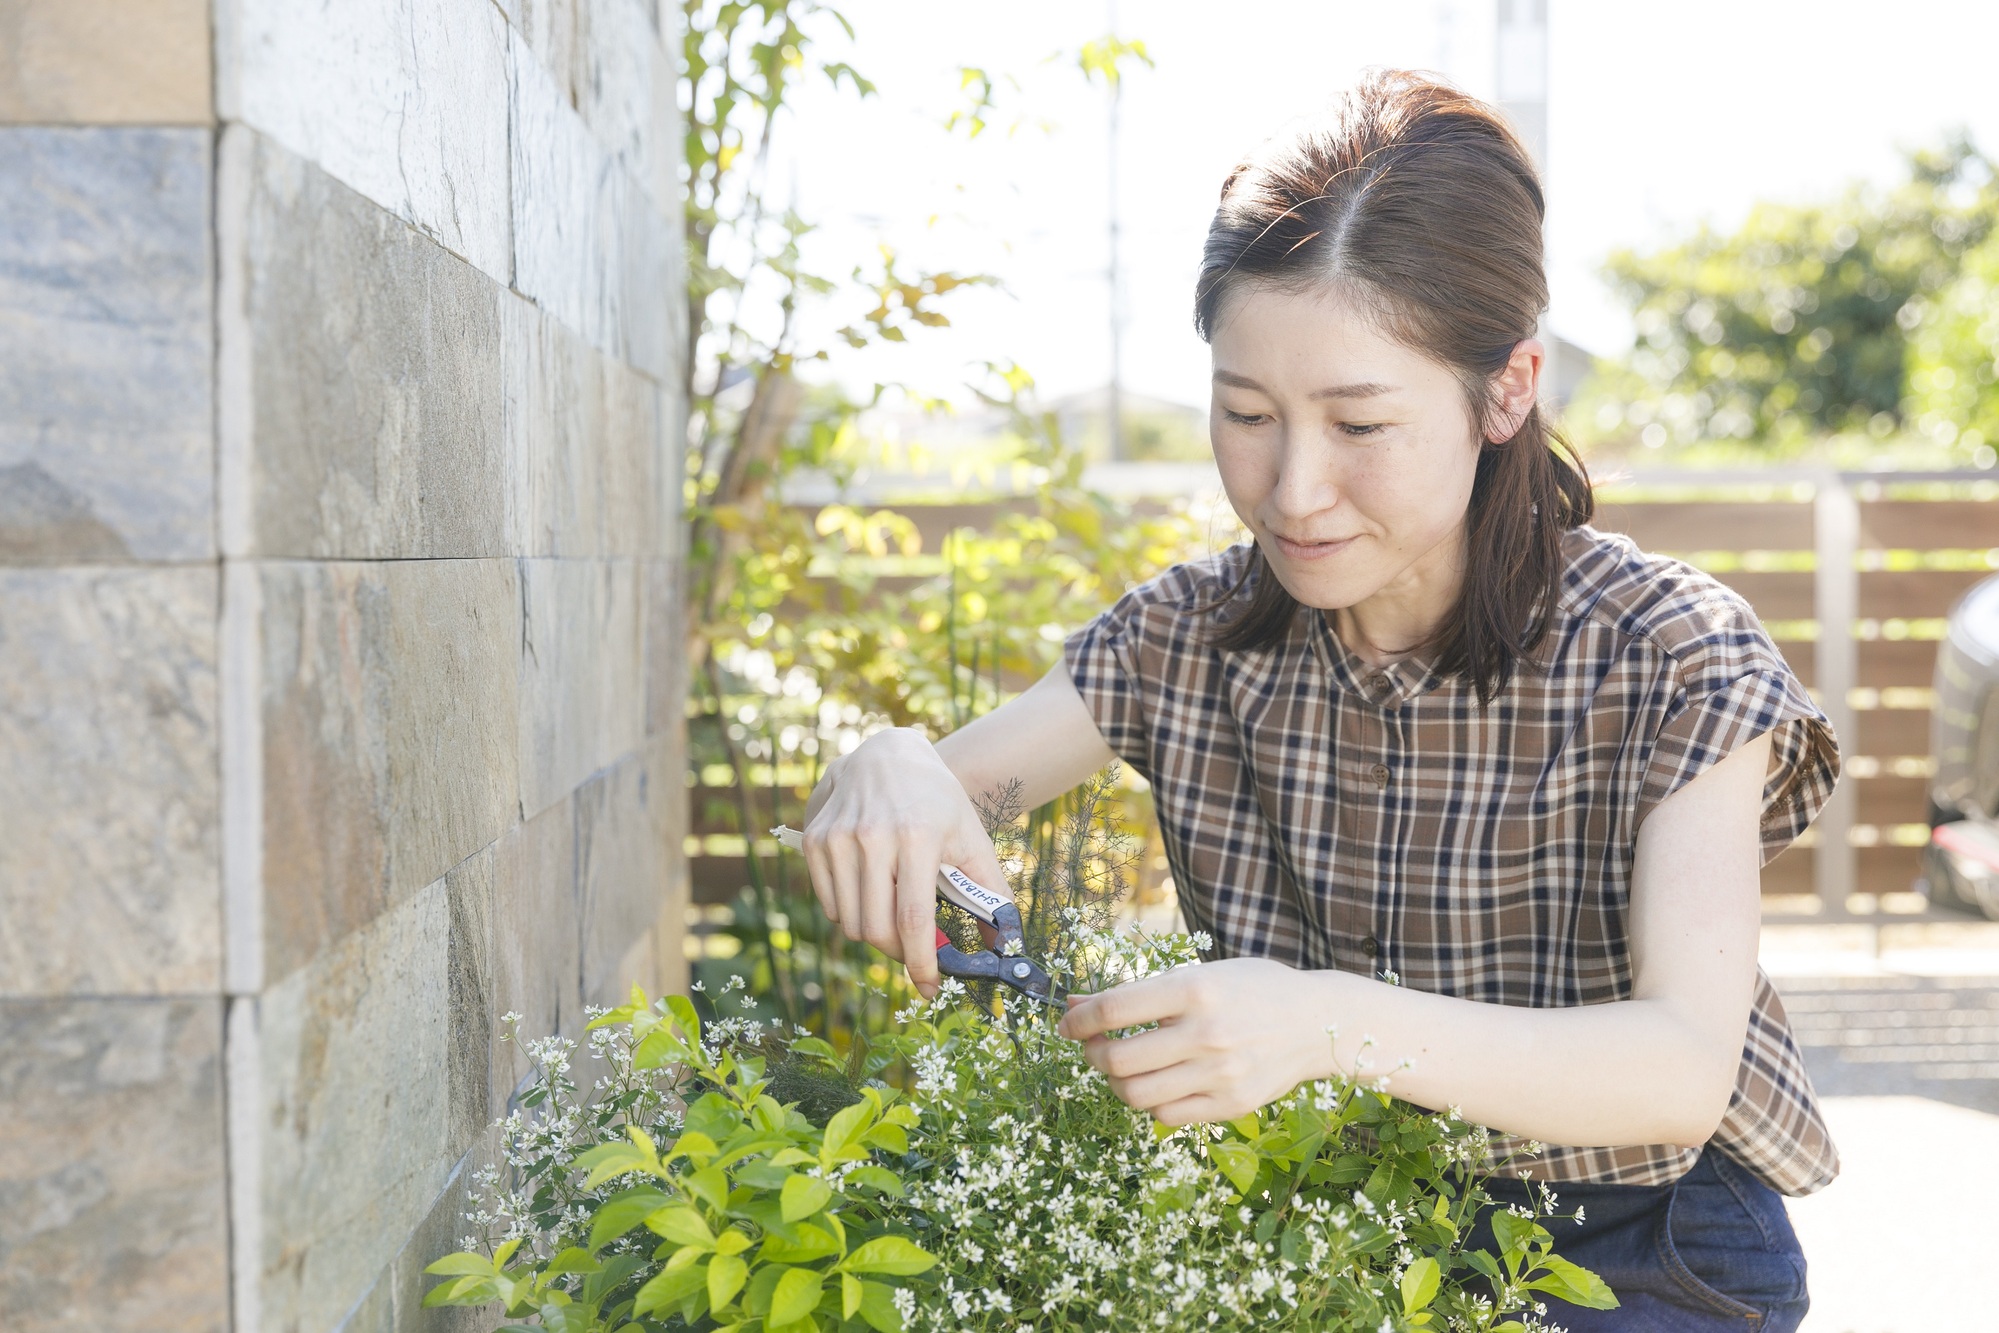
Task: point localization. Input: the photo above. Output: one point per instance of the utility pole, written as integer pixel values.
(1114, 393)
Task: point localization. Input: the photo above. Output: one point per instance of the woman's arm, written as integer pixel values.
(885, 816)
(1657, 1068)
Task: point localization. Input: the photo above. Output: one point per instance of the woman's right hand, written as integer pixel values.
(881, 821)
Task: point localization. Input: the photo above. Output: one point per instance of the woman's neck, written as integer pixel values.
(1404, 615)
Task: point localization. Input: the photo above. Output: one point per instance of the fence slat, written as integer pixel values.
(1887, 663)
(1929, 525)
(1914, 594)
(1721, 526)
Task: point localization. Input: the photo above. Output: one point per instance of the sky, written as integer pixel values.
(1660, 117)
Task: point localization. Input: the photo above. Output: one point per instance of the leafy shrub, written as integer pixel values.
(1005, 1188)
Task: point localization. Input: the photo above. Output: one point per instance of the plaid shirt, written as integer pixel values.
(1328, 814)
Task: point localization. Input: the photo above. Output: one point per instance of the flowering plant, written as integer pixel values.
(1007, 1188)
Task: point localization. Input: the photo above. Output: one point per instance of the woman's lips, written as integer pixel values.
(1311, 550)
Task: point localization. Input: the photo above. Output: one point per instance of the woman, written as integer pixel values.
(1442, 770)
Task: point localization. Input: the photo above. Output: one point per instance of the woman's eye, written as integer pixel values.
(1357, 430)
(1245, 418)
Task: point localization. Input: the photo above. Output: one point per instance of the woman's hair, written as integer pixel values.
(1419, 203)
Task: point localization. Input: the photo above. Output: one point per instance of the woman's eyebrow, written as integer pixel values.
(1364, 389)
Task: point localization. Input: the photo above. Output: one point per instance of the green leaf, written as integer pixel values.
(850, 1295)
(710, 1185)
(731, 1241)
(878, 1178)
(462, 1264)
(1575, 1284)
(887, 1137)
(1237, 1161)
(814, 1046)
(792, 1157)
(726, 1275)
(807, 1243)
(473, 1290)
(607, 1161)
(572, 1260)
(685, 1017)
(846, 1126)
(889, 1254)
(1419, 1284)
(1248, 1126)
(683, 1225)
(621, 1212)
(878, 1307)
(611, 1276)
(803, 1196)
(796, 1296)
(671, 1288)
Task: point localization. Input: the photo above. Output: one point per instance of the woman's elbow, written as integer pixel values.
(1704, 1093)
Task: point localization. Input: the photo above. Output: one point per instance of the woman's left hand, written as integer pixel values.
(1232, 1036)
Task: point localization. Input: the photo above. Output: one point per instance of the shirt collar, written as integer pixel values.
(1388, 686)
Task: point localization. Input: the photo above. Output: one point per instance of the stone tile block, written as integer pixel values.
(105, 62)
(112, 1206)
(637, 460)
(404, 100)
(622, 862)
(588, 246)
(109, 795)
(536, 968)
(390, 718)
(582, 697)
(667, 665)
(556, 425)
(375, 376)
(623, 83)
(362, 1118)
(106, 343)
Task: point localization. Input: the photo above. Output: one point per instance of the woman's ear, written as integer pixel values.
(1515, 390)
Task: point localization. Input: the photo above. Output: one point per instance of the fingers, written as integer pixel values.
(916, 914)
(1160, 999)
(879, 858)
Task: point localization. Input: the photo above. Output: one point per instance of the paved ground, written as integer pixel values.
(1901, 1031)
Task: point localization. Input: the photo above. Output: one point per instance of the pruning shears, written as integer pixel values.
(1006, 962)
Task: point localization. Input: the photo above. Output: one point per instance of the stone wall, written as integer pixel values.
(340, 664)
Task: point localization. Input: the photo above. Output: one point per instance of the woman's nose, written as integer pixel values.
(1306, 481)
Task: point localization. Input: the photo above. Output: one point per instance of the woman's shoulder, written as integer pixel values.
(1193, 585)
(1677, 610)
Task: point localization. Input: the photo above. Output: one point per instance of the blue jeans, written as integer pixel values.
(1712, 1251)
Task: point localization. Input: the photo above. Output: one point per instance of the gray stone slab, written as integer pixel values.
(364, 1119)
(404, 100)
(589, 247)
(582, 696)
(390, 722)
(112, 1206)
(622, 859)
(375, 377)
(556, 424)
(109, 795)
(536, 966)
(667, 665)
(106, 345)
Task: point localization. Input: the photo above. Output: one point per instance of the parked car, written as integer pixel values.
(1961, 864)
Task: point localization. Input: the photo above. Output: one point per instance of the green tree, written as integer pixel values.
(1801, 323)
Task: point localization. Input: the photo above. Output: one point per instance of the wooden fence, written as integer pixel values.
(1853, 574)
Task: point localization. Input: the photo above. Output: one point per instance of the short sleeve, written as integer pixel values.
(1102, 661)
(1733, 686)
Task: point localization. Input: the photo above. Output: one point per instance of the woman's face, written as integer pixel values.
(1349, 456)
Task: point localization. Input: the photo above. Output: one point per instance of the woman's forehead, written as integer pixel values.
(1322, 342)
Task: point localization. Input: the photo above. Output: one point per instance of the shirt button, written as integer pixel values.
(1380, 775)
(1370, 946)
(1377, 682)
